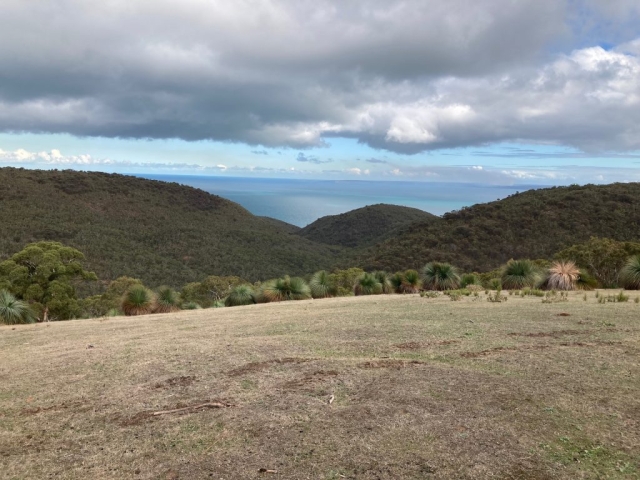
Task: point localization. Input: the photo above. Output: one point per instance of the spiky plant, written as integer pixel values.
(440, 276)
(384, 280)
(167, 301)
(321, 285)
(367, 284)
(285, 288)
(14, 311)
(630, 274)
(240, 295)
(586, 281)
(562, 276)
(396, 281)
(518, 274)
(138, 300)
(411, 282)
(469, 279)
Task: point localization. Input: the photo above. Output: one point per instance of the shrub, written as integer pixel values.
(138, 300)
(497, 297)
(469, 279)
(630, 274)
(322, 285)
(563, 275)
(367, 284)
(586, 281)
(429, 294)
(191, 306)
(553, 297)
(343, 280)
(518, 274)
(240, 295)
(440, 276)
(384, 280)
(167, 300)
(14, 311)
(283, 289)
(495, 284)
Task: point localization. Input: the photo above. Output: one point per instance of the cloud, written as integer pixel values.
(311, 159)
(259, 152)
(375, 160)
(403, 76)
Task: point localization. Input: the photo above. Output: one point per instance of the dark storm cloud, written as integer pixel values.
(405, 76)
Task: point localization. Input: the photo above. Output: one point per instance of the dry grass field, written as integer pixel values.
(422, 389)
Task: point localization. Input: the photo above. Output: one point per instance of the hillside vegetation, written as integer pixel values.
(364, 226)
(533, 224)
(162, 233)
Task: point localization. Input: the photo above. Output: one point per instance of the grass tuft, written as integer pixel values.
(138, 300)
(240, 295)
(14, 311)
(440, 276)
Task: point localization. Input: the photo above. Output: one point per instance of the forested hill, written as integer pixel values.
(363, 226)
(533, 224)
(163, 233)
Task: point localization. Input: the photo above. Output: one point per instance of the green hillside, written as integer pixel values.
(364, 226)
(163, 233)
(533, 224)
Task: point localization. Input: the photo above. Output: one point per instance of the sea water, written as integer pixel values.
(301, 201)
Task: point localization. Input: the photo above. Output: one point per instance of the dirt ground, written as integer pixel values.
(381, 387)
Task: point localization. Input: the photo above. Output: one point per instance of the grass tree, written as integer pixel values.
(630, 273)
(518, 274)
(138, 300)
(167, 300)
(322, 285)
(407, 282)
(562, 275)
(14, 311)
(240, 295)
(384, 280)
(440, 276)
(283, 289)
(367, 284)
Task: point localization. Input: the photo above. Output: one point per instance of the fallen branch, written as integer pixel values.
(193, 407)
(331, 399)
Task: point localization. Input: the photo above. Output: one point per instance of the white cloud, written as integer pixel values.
(403, 76)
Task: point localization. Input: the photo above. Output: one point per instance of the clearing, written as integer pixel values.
(422, 388)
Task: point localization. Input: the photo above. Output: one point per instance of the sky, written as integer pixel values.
(501, 92)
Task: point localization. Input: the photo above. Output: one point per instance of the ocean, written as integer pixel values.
(301, 202)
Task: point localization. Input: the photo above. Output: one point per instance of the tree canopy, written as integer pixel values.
(45, 274)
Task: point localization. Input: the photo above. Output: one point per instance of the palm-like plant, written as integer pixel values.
(367, 284)
(384, 280)
(586, 281)
(240, 295)
(407, 282)
(630, 273)
(562, 276)
(191, 306)
(14, 311)
(440, 276)
(519, 274)
(167, 301)
(321, 285)
(138, 300)
(283, 289)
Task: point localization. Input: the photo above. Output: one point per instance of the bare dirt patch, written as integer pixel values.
(419, 345)
(394, 364)
(254, 367)
(183, 381)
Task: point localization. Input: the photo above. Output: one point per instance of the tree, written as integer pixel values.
(602, 257)
(45, 274)
(210, 290)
